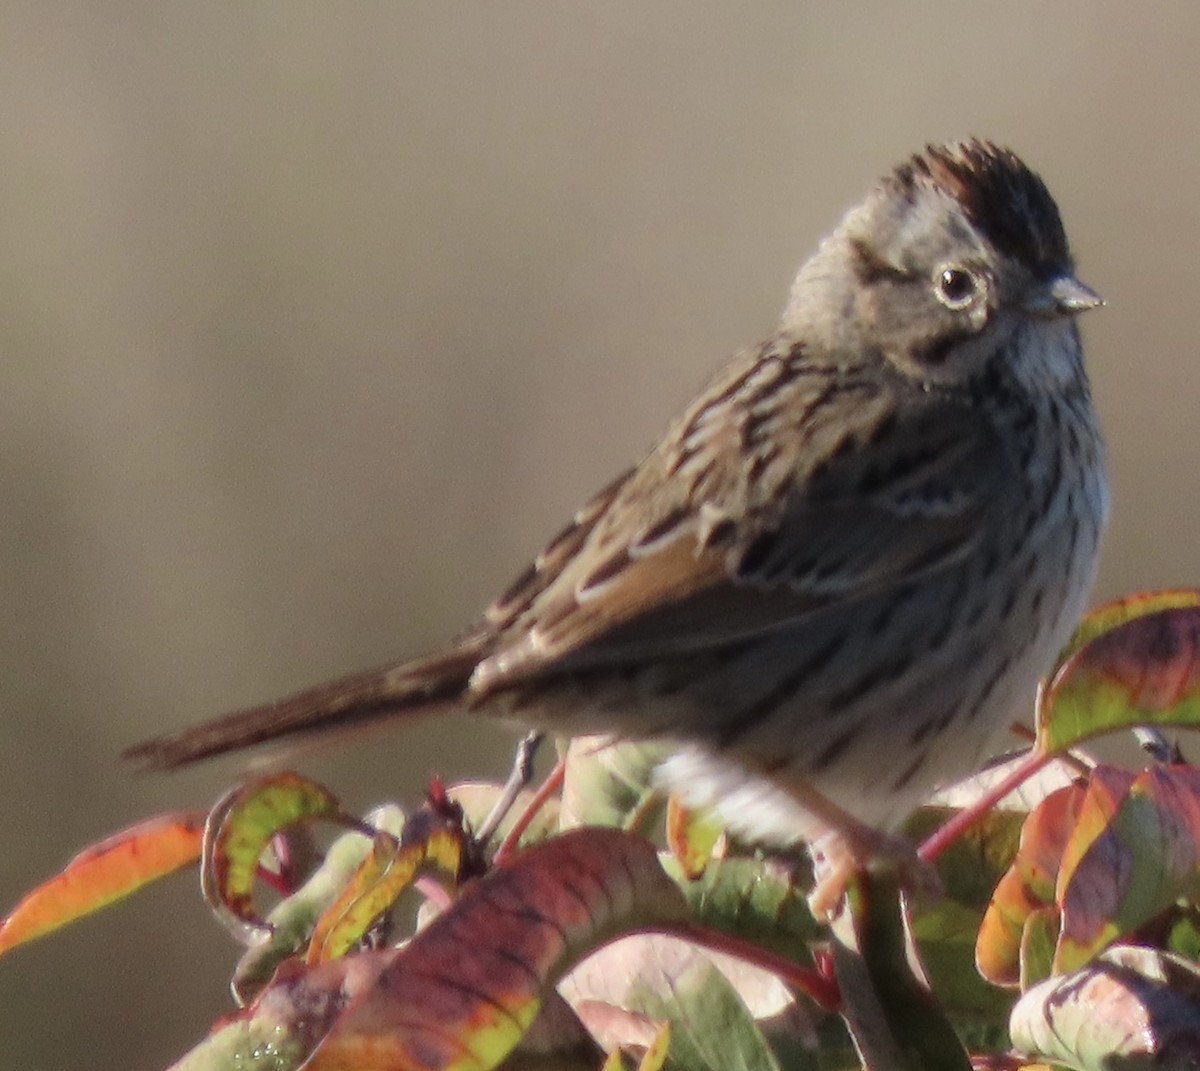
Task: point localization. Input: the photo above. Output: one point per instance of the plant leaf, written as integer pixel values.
(290, 1016)
(293, 919)
(239, 829)
(1039, 942)
(1027, 886)
(711, 1028)
(105, 873)
(755, 899)
(611, 783)
(1110, 615)
(1145, 858)
(656, 1055)
(895, 1020)
(1144, 671)
(1131, 1008)
(465, 989)
(384, 874)
(692, 834)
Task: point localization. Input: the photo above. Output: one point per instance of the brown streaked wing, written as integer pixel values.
(541, 572)
(860, 512)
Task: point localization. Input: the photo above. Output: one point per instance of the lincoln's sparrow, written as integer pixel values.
(849, 560)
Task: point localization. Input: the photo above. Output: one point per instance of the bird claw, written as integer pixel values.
(839, 858)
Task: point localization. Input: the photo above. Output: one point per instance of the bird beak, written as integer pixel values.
(1063, 296)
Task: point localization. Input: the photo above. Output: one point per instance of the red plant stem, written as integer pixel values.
(545, 790)
(433, 891)
(278, 883)
(818, 986)
(1000, 1061)
(942, 838)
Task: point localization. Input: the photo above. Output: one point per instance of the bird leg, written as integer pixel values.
(838, 857)
(844, 847)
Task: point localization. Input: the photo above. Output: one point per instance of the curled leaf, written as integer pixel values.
(384, 874)
(294, 918)
(238, 831)
(1097, 861)
(1145, 858)
(1028, 885)
(656, 1054)
(1110, 615)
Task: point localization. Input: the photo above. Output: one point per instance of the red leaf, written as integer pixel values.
(465, 989)
(1108, 616)
(1145, 671)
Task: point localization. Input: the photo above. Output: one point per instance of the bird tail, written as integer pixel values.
(424, 686)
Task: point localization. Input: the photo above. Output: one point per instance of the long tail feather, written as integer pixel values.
(423, 686)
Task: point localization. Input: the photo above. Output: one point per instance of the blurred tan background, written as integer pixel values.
(315, 320)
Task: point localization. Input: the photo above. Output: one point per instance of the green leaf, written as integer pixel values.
(1183, 938)
(384, 874)
(896, 1022)
(241, 826)
(755, 899)
(711, 1028)
(293, 919)
(1132, 1008)
(971, 865)
(1039, 941)
(611, 783)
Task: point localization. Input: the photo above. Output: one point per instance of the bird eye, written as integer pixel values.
(956, 287)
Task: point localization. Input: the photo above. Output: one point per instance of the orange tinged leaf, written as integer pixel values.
(692, 835)
(1107, 787)
(1096, 863)
(1146, 857)
(105, 873)
(1027, 886)
(378, 883)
